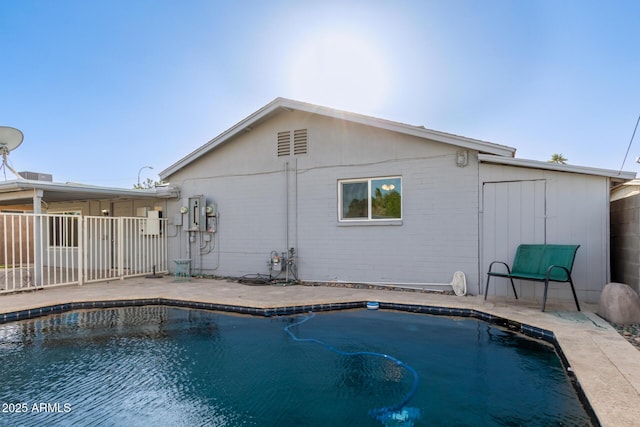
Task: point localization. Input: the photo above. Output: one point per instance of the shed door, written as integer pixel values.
(513, 212)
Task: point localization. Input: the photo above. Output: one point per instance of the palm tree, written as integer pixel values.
(558, 158)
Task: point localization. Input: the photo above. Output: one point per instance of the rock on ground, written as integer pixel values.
(619, 304)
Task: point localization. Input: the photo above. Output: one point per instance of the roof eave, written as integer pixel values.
(280, 104)
(536, 164)
(419, 131)
(242, 126)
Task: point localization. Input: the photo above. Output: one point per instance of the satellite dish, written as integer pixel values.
(10, 139)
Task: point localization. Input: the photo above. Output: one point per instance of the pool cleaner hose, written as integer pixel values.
(398, 415)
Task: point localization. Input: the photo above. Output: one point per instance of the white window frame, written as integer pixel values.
(369, 218)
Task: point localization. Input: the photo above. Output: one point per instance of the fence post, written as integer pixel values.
(82, 254)
(37, 250)
(120, 247)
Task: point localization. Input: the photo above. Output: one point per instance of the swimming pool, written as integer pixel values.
(174, 366)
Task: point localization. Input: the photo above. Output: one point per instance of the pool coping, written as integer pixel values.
(606, 366)
(528, 330)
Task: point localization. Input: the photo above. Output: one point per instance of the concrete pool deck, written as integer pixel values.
(606, 365)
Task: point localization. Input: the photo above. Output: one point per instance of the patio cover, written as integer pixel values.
(24, 191)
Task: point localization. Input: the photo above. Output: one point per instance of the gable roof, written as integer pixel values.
(280, 105)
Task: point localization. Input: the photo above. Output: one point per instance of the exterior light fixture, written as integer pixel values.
(462, 158)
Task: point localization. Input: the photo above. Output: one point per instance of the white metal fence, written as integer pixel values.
(45, 250)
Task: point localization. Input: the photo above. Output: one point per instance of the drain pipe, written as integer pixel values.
(286, 212)
(295, 195)
(458, 284)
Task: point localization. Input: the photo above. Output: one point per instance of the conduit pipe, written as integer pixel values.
(458, 284)
(286, 213)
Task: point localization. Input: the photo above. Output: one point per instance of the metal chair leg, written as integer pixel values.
(486, 289)
(514, 288)
(544, 297)
(575, 297)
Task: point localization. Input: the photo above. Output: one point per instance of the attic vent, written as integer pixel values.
(284, 143)
(299, 141)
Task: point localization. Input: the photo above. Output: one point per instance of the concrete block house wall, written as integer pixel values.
(268, 202)
(437, 234)
(625, 241)
(250, 185)
(275, 179)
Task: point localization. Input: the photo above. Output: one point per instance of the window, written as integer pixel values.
(370, 199)
(63, 230)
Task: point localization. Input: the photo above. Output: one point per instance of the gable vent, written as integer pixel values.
(300, 141)
(284, 143)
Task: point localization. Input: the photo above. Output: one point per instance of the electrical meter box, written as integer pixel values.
(212, 217)
(150, 226)
(197, 214)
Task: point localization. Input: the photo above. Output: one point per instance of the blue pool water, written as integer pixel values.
(165, 366)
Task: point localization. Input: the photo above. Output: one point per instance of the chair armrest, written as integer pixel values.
(566, 270)
(499, 262)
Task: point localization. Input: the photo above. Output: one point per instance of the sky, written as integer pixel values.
(105, 90)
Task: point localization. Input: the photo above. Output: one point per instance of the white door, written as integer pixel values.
(513, 212)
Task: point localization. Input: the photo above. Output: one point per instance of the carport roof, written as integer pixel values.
(24, 190)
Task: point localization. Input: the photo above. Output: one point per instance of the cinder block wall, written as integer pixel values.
(625, 241)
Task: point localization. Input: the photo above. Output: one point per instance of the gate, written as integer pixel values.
(46, 250)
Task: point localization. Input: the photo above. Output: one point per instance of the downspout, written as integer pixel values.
(296, 210)
(286, 212)
(480, 247)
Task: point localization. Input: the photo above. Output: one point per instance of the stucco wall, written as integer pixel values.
(247, 181)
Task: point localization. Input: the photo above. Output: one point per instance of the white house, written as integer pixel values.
(366, 200)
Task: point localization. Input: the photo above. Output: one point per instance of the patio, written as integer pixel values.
(605, 364)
